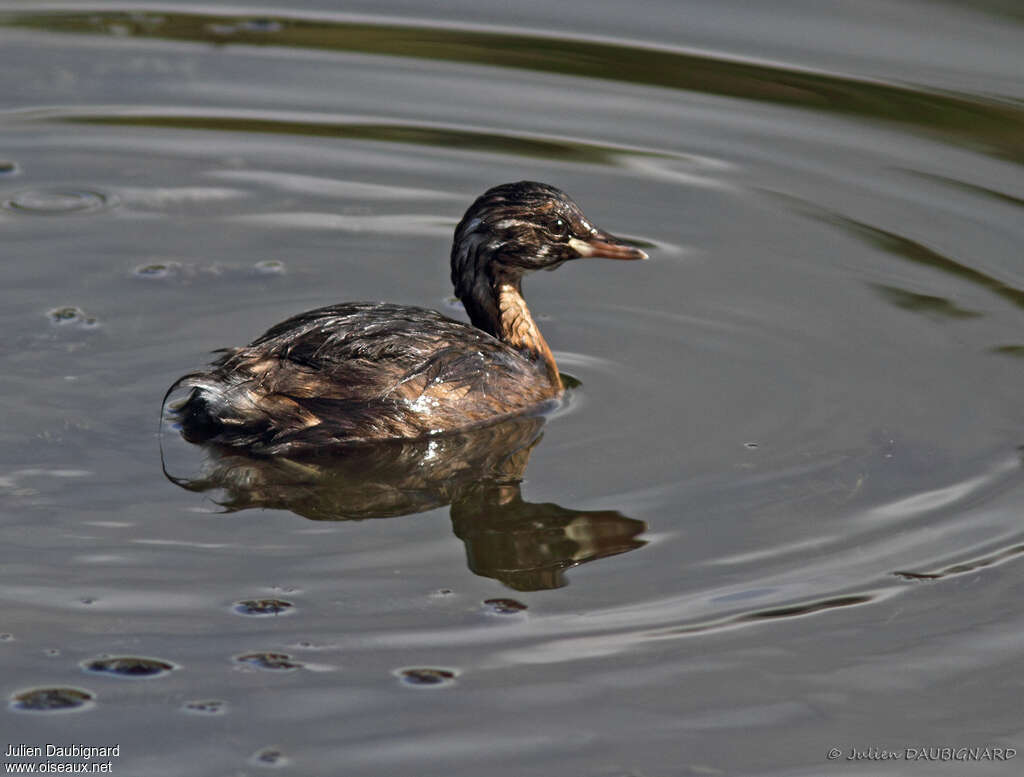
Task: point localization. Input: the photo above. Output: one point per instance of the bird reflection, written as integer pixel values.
(527, 546)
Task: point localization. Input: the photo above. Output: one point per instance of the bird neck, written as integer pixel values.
(497, 306)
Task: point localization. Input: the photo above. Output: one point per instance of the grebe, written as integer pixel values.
(365, 371)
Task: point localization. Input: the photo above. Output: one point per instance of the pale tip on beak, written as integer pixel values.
(606, 248)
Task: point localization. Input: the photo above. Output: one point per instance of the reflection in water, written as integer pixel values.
(528, 546)
(973, 188)
(536, 147)
(973, 565)
(793, 611)
(917, 253)
(936, 307)
(1009, 350)
(967, 119)
(524, 545)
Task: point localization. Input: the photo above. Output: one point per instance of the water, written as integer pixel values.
(780, 514)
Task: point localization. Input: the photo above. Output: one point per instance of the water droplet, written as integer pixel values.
(206, 707)
(71, 316)
(263, 607)
(270, 267)
(424, 676)
(51, 699)
(157, 270)
(751, 446)
(129, 666)
(504, 606)
(281, 661)
(58, 202)
(269, 756)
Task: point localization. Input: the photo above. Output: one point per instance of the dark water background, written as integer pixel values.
(793, 464)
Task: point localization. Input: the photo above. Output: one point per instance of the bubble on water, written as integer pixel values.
(185, 272)
(52, 699)
(157, 270)
(269, 756)
(426, 677)
(58, 202)
(74, 317)
(270, 267)
(129, 666)
(206, 707)
(263, 607)
(275, 661)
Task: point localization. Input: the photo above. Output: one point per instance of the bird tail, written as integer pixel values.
(196, 415)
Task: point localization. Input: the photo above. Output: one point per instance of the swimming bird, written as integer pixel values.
(371, 371)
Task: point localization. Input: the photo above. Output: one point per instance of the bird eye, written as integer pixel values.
(559, 228)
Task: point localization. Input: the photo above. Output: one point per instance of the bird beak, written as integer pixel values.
(605, 246)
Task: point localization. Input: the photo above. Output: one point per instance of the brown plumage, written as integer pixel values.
(365, 371)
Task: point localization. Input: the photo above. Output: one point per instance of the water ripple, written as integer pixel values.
(907, 507)
(332, 187)
(965, 119)
(908, 250)
(345, 127)
(386, 225)
(58, 202)
(963, 567)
